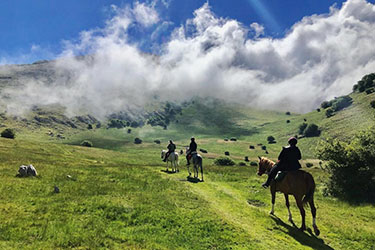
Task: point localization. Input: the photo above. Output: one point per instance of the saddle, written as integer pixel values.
(190, 155)
(280, 176)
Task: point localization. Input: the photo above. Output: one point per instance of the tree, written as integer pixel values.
(329, 112)
(302, 128)
(351, 167)
(8, 133)
(311, 130)
(271, 139)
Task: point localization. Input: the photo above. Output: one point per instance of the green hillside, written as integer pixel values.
(115, 195)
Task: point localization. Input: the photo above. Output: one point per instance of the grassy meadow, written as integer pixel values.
(115, 196)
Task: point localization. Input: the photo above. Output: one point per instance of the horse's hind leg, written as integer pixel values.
(313, 212)
(302, 211)
(288, 206)
(201, 171)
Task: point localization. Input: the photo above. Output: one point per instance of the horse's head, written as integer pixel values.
(263, 165)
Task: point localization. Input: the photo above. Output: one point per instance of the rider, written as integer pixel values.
(171, 148)
(192, 148)
(287, 161)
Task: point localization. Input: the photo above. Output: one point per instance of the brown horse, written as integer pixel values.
(298, 183)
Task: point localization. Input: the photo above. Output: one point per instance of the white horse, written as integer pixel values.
(172, 158)
(197, 161)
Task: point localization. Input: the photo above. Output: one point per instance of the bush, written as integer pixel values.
(372, 103)
(369, 91)
(157, 141)
(287, 121)
(224, 161)
(264, 148)
(271, 139)
(252, 147)
(329, 112)
(351, 167)
(233, 139)
(325, 105)
(302, 128)
(8, 133)
(137, 141)
(86, 143)
(318, 109)
(89, 126)
(253, 163)
(311, 130)
(226, 153)
(287, 113)
(367, 82)
(246, 158)
(242, 164)
(341, 103)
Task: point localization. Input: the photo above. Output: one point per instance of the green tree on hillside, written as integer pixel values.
(351, 167)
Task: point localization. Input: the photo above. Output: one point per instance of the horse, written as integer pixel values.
(298, 183)
(197, 163)
(172, 158)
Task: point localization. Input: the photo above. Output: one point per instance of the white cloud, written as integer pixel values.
(145, 15)
(258, 29)
(322, 56)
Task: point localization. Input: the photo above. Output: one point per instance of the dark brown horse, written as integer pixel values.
(298, 183)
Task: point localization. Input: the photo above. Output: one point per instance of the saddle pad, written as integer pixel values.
(280, 176)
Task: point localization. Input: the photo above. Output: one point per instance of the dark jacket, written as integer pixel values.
(171, 147)
(289, 157)
(192, 146)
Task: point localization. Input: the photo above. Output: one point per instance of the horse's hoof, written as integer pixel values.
(316, 231)
(303, 228)
(272, 213)
(290, 220)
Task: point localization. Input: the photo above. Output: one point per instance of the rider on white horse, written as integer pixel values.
(192, 148)
(171, 148)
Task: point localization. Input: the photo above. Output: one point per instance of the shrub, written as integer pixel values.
(341, 103)
(252, 147)
(98, 125)
(367, 82)
(226, 153)
(325, 104)
(287, 121)
(329, 112)
(369, 91)
(225, 139)
(8, 133)
(311, 130)
(129, 130)
(233, 139)
(137, 141)
(224, 161)
(246, 158)
(287, 113)
(318, 109)
(157, 141)
(89, 126)
(253, 163)
(86, 143)
(264, 147)
(242, 164)
(372, 103)
(309, 164)
(351, 167)
(271, 139)
(301, 128)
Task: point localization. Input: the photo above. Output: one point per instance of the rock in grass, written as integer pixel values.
(25, 171)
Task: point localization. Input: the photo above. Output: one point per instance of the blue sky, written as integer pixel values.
(34, 30)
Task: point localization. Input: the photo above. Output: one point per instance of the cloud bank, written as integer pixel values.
(320, 57)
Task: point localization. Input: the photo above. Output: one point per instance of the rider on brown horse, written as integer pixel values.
(287, 161)
(171, 148)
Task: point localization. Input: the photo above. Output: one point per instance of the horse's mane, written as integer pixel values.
(267, 161)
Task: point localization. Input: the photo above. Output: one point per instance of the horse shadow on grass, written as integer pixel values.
(307, 239)
(193, 179)
(168, 171)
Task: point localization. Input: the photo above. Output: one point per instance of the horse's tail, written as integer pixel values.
(310, 189)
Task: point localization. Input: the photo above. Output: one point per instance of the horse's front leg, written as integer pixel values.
(188, 166)
(273, 198)
(302, 211)
(288, 206)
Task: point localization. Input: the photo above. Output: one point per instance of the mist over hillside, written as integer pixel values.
(322, 56)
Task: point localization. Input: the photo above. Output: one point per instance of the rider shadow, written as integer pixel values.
(168, 171)
(306, 239)
(192, 179)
